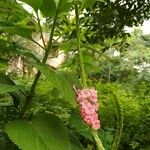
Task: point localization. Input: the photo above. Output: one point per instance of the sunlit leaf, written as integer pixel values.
(35, 4)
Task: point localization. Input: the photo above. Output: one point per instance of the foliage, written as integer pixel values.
(41, 112)
(40, 133)
(118, 13)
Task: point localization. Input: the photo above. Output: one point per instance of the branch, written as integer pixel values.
(47, 51)
(83, 75)
(40, 27)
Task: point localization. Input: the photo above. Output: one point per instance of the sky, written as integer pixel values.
(146, 27)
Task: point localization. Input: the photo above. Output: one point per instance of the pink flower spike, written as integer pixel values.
(87, 100)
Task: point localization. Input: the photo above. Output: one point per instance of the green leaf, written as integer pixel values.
(75, 144)
(88, 3)
(8, 5)
(35, 4)
(65, 6)
(68, 45)
(8, 86)
(3, 63)
(47, 71)
(27, 53)
(21, 31)
(48, 8)
(62, 80)
(5, 88)
(65, 82)
(45, 132)
(78, 126)
(4, 79)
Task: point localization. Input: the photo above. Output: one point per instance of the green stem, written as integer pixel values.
(40, 28)
(47, 51)
(97, 140)
(37, 44)
(83, 75)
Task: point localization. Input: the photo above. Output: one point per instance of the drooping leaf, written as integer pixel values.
(35, 4)
(65, 82)
(47, 71)
(48, 8)
(27, 53)
(13, 48)
(21, 31)
(45, 132)
(62, 80)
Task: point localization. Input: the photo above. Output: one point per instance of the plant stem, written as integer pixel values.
(38, 44)
(40, 28)
(47, 51)
(82, 71)
(83, 75)
(97, 140)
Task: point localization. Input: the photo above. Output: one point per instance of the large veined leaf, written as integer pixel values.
(45, 132)
(48, 8)
(35, 4)
(62, 80)
(21, 31)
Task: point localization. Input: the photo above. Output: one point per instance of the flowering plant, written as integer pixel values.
(87, 99)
